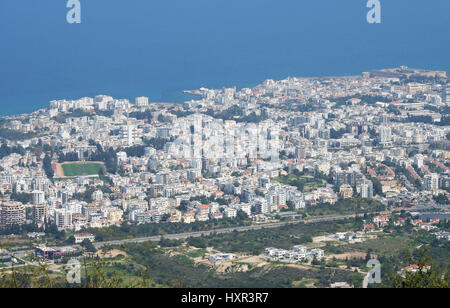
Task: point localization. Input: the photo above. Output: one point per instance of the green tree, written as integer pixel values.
(426, 275)
(47, 165)
(88, 246)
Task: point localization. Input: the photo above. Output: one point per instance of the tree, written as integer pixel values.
(377, 187)
(425, 276)
(88, 246)
(101, 173)
(47, 165)
(71, 240)
(183, 205)
(21, 197)
(368, 255)
(441, 199)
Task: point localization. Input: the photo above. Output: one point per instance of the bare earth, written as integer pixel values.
(351, 255)
(111, 254)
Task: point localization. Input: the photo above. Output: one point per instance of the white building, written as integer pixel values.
(79, 238)
(38, 197)
(262, 207)
(221, 257)
(276, 198)
(129, 134)
(300, 249)
(141, 101)
(367, 189)
(431, 181)
(246, 208)
(63, 219)
(446, 94)
(97, 195)
(230, 213)
(418, 161)
(122, 157)
(316, 253)
(385, 135)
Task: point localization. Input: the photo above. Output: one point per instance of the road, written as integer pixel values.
(366, 281)
(23, 253)
(219, 231)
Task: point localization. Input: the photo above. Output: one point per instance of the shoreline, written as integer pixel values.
(180, 96)
(166, 93)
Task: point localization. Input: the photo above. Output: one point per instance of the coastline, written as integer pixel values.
(167, 96)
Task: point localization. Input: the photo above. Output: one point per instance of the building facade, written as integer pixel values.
(12, 213)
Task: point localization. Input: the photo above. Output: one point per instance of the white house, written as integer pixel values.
(79, 238)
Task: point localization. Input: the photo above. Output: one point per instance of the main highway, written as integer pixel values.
(221, 231)
(23, 253)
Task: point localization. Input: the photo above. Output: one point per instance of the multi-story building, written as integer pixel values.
(203, 209)
(193, 174)
(38, 197)
(141, 101)
(40, 213)
(300, 153)
(276, 198)
(367, 189)
(431, 181)
(350, 178)
(63, 219)
(418, 161)
(38, 183)
(163, 132)
(385, 136)
(446, 94)
(262, 207)
(300, 249)
(231, 213)
(97, 195)
(12, 213)
(346, 191)
(162, 178)
(246, 208)
(129, 134)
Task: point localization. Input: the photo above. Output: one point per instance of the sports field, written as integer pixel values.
(80, 169)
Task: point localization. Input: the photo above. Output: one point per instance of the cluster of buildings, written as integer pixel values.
(223, 155)
(379, 223)
(298, 253)
(350, 237)
(5, 256)
(219, 258)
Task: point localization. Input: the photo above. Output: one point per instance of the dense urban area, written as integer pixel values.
(293, 183)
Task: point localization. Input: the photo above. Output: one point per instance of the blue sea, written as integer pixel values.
(157, 48)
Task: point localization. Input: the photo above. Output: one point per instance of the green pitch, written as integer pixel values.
(71, 170)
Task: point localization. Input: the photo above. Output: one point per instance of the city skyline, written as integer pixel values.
(224, 152)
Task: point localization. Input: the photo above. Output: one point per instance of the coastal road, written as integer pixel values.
(220, 231)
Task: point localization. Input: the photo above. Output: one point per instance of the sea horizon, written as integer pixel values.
(159, 49)
(170, 96)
